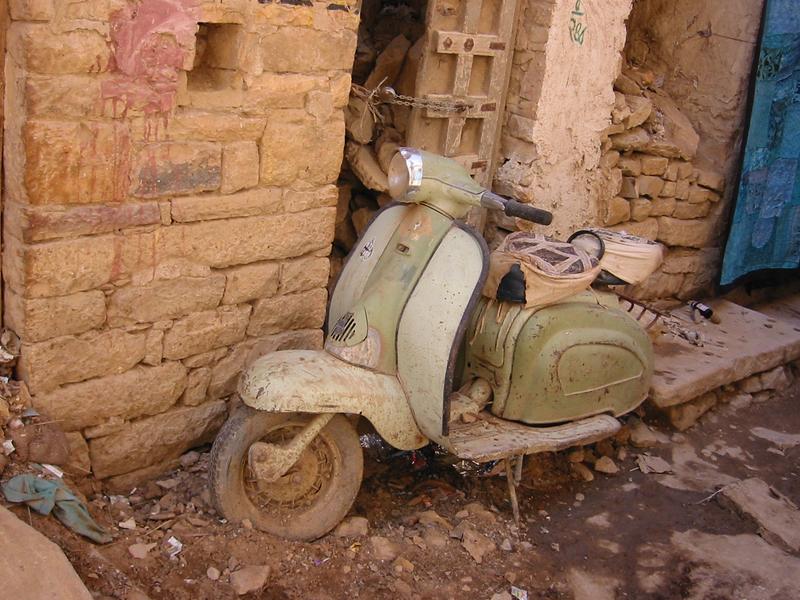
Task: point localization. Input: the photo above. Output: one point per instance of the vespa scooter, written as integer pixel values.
(418, 347)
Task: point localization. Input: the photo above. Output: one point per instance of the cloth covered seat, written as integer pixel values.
(629, 258)
(533, 270)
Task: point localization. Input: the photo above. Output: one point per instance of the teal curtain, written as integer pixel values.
(765, 233)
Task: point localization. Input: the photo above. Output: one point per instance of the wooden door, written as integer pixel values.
(467, 58)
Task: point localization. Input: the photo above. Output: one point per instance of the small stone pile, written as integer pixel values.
(660, 187)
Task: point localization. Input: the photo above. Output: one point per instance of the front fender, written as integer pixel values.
(314, 381)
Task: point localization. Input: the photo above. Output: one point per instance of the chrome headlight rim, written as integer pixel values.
(414, 166)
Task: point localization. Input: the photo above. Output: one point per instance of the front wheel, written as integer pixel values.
(310, 499)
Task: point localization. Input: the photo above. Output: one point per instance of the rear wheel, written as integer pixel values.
(310, 499)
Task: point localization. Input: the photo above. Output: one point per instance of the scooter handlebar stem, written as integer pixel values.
(512, 208)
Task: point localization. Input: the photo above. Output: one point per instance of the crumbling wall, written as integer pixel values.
(560, 97)
(693, 62)
(170, 207)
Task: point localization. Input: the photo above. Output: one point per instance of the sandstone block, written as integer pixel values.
(640, 209)
(626, 85)
(225, 374)
(293, 311)
(634, 139)
(225, 243)
(142, 391)
(58, 268)
(196, 387)
(299, 200)
(69, 359)
(301, 151)
(205, 126)
(641, 109)
(156, 439)
(683, 416)
(646, 229)
(239, 166)
(65, 96)
(250, 282)
(660, 207)
(685, 169)
(31, 566)
(689, 210)
(677, 137)
(654, 165)
(650, 186)
(671, 174)
(38, 319)
(300, 50)
(167, 168)
(701, 195)
(682, 189)
(32, 10)
(165, 299)
(658, 285)
(39, 49)
(631, 165)
(304, 274)
(204, 331)
(154, 347)
(79, 464)
(205, 358)
(617, 211)
(684, 260)
(669, 190)
(610, 159)
(630, 188)
(709, 178)
(36, 224)
(74, 163)
(280, 90)
(243, 204)
(692, 234)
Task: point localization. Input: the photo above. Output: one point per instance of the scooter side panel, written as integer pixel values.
(313, 381)
(362, 260)
(431, 324)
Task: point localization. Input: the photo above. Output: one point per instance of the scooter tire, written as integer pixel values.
(228, 471)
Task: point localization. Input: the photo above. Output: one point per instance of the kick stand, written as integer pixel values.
(513, 477)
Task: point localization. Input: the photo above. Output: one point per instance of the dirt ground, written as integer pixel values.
(628, 535)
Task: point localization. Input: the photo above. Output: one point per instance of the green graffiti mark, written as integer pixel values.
(577, 28)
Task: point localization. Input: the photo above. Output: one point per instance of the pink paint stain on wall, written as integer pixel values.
(152, 41)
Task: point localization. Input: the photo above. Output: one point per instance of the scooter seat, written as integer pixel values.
(533, 270)
(628, 258)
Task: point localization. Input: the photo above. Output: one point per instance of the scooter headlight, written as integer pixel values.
(405, 174)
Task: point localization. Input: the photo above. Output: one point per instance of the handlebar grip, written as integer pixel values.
(528, 212)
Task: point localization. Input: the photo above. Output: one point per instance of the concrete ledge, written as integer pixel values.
(744, 343)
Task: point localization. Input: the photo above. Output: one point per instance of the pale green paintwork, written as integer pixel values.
(362, 261)
(570, 360)
(447, 186)
(395, 277)
(429, 324)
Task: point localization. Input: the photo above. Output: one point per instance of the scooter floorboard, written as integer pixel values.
(491, 438)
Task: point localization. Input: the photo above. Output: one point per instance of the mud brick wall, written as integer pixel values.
(169, 207)
(566, 58)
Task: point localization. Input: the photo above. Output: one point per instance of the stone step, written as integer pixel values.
(745, 342)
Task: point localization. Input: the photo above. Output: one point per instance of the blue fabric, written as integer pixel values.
(45, 496)
(765, 233)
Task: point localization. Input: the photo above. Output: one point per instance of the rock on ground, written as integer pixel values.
(250, 579)
(352, 527)
(777, 517)
(32, 567)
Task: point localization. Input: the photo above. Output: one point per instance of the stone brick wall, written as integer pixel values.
(169, 207)
(660, 188)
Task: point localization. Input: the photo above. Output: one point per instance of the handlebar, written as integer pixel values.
(512, 208)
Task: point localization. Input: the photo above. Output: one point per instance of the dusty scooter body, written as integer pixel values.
(407, 328)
